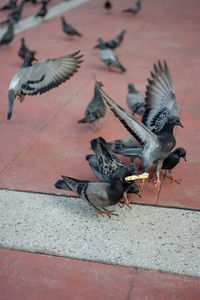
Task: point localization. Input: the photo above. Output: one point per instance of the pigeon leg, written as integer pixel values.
(173, 179)
(142, 184)
(98, 212)
(158, 168)
(109, 213)
(126, 201)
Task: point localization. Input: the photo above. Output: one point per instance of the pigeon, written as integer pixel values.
(41, 77)
(12, 4)
(43, 10)
(95, 110)
(107, 5)
(135, 100)
(68, 29)
(105, 165)
(172, 160)
(134, 8)
(108, 57)
(97, 194)
(114, 43)
(161, 107)
(8, 35)
(23, 49)
(15, 15)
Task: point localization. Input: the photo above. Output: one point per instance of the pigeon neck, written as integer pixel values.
(27, 62)
(101, 45)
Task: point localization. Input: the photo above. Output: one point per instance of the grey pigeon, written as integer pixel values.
(68, 29)
(114, 43)
(135, 100)
(97, 194)
(134, 8)
(172, 160)
(41, 77)
(105, 165)
(43, 10)
(155, 145)
(23, 49)
(95, 110)
(108, 57)
(8, 35)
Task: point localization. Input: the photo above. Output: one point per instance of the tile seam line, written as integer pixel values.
(74, 196)
(131, 284)
(41, 130)
(134, 268)
(54, 11)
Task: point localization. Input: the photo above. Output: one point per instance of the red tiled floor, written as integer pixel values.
(43, 140)
(33, 276)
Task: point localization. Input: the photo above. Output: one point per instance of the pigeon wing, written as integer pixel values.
(143, 135)
(49, 73)
(160, 98)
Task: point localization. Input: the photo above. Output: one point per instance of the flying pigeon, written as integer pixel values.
(23, 49)
(95, 110)
(42, 76)
(134, 8)
(108, 57)
(8, 35)
(161, 107)
(105, 165)
(114, 43)
(172, 160)
(43, 10)
(97, 194)
(135, 100)
(68, 29)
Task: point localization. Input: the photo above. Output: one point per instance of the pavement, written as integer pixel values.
(52, 244)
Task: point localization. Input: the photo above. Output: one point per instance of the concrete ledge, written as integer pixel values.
(148, 237)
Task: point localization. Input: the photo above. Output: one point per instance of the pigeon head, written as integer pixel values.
(133, 168)
(124, 31)
(181, 152)
(100, 83)
(131, 87)
(22, 39)
(174, 120)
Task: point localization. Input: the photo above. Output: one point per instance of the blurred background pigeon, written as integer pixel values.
(23, 49)
(8, 35)
(95, 110)
(134, 8)
(108, 57)
(68, 29)
(135, 100)
(43, 10)
(108, 5)
(114, 43)
(12, 4)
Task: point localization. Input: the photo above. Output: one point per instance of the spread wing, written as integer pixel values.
(143, 135)
(160, 98)
(49, 73)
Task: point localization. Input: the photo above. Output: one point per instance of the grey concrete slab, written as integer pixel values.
(147, 237)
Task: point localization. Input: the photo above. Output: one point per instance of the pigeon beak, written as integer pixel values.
(184, 157)
(180, 124)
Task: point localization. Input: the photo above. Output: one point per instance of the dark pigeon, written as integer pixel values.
(43, 10)
(68, 29)
(23, 50)
(172, 160)
(135, 100)
(105, 165)
(157, 143)
(42, 76)
(12, 4)
(107, 5)
(134, 8)
(95, 110)
(114, 43)
(108, 57)
(8, 35)
(98, 194)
